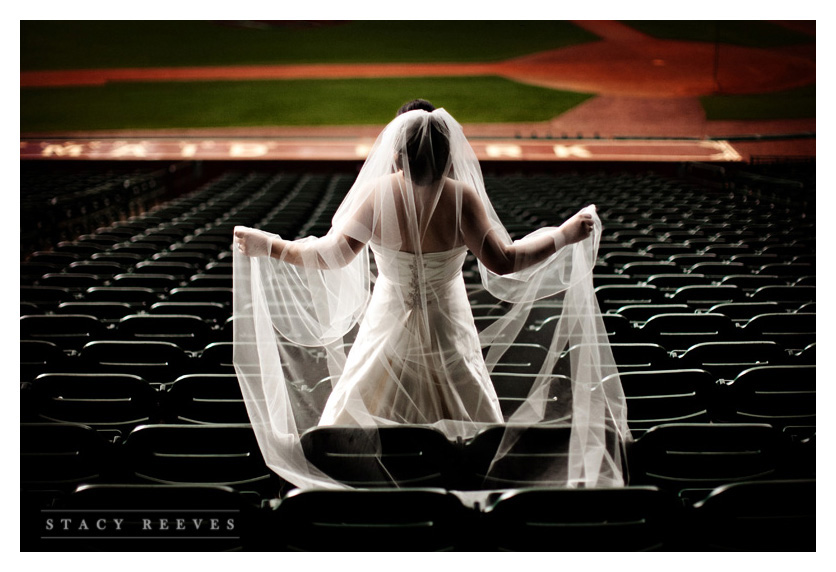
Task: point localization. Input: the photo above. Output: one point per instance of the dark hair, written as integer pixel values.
(428, 153)
(416, 104)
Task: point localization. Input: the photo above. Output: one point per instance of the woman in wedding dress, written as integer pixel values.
(323, 340)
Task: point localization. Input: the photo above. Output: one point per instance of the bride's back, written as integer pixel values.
(427, 214)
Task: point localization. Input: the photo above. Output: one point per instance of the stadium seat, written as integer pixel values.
(793, 331)
(702, 456)
(519, 357)
(787, 296)
(681, 331)
(671, 282)
(650, 268)
(101, 269)
(133, 296)
(717, 269)
(765, 516)
(221, 454)
(196, 294)
(413, 519)
(779, 395)
(640, 313)
(39, 356)
(211, 312)
(396, 455)
(667, 396)
(179, 270)
(117, 402)
(535, 455)
(67, 331)
(205, 398)
(612, 297)
(751, 282)
(187, 332)
(513, 389)
(725, 360)
(58, 457)
(47, 297)
(157, 282)
(742, 312)
(74, 282)
(589, 520)
(156, 362)
(107, 312)
(703, 297)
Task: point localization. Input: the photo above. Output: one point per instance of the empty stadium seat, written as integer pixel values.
(589, 520)
(117, 402)
(67, 331)
(703, 456)
(765, 516)
(612, 297)
(155, 361)
(205, 398)
(534, 455)
(39, 356)
(223, 454)
(791, 330)
(667, 396)
(397, 455)
(187, 332)
(681, 331)
(106, 312)
(643, 312)
(725, 360)
(780, 395)
(60, 456)
(513, 389)
(414, 519)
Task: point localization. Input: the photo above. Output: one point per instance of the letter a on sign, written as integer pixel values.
(566, 151)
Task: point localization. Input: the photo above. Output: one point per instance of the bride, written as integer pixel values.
(321, 339)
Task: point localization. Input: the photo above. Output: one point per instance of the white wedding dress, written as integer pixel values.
(321, 339)
(417, 357)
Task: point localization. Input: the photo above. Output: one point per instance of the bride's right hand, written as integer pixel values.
(252, 242)
(578, 227)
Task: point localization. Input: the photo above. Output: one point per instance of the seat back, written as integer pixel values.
(757, 516)
(414, 519)
(399, 455)
(594, 520)
(703, 456)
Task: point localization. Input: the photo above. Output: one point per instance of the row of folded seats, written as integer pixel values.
(129, 399)
(692, 487)
(742, 392)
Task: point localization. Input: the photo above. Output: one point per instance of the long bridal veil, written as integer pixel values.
(334, 337)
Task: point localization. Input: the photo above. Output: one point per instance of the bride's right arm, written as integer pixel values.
(500, 257)
(334, 250)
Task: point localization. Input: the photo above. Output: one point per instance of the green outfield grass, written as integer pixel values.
(105, 44)
(269, 103)
(792, 104)
(752, 33)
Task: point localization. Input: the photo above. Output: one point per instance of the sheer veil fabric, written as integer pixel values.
(324, 337)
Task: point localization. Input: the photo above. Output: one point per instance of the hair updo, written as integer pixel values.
(416, 104)
(427, 147)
